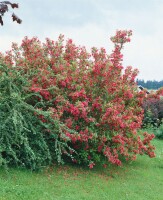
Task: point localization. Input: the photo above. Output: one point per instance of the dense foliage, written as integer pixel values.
(25, 140)
(153, 109)
(159, 131)
(70, 105)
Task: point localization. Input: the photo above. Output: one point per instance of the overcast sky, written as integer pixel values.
(92, 23)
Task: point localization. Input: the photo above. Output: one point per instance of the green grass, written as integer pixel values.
(140, 180)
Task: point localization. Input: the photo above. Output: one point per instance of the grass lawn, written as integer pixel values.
(140, 180)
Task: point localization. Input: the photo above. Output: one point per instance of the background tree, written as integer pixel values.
(150, 84)
(4, 7)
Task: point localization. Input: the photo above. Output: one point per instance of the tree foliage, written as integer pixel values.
(4, 7)
(150, 84)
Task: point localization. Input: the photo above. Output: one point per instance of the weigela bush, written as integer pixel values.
(90, 93)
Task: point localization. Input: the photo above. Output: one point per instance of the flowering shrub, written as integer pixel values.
(89, 93)
(153, 109)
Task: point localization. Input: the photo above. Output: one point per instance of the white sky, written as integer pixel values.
(92, 23)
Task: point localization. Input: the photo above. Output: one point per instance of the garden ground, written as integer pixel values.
(139, 180)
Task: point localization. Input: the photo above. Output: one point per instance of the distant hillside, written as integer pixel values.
(151, 85)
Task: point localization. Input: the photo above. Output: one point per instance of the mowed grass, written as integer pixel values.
(139, 180)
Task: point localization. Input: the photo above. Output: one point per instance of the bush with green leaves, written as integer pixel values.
(159, 132)
(153, 109)
(24, 139)
(149, 120)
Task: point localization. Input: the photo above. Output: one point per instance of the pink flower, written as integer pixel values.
(89, 157)
(104, 165)
(91, 165)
